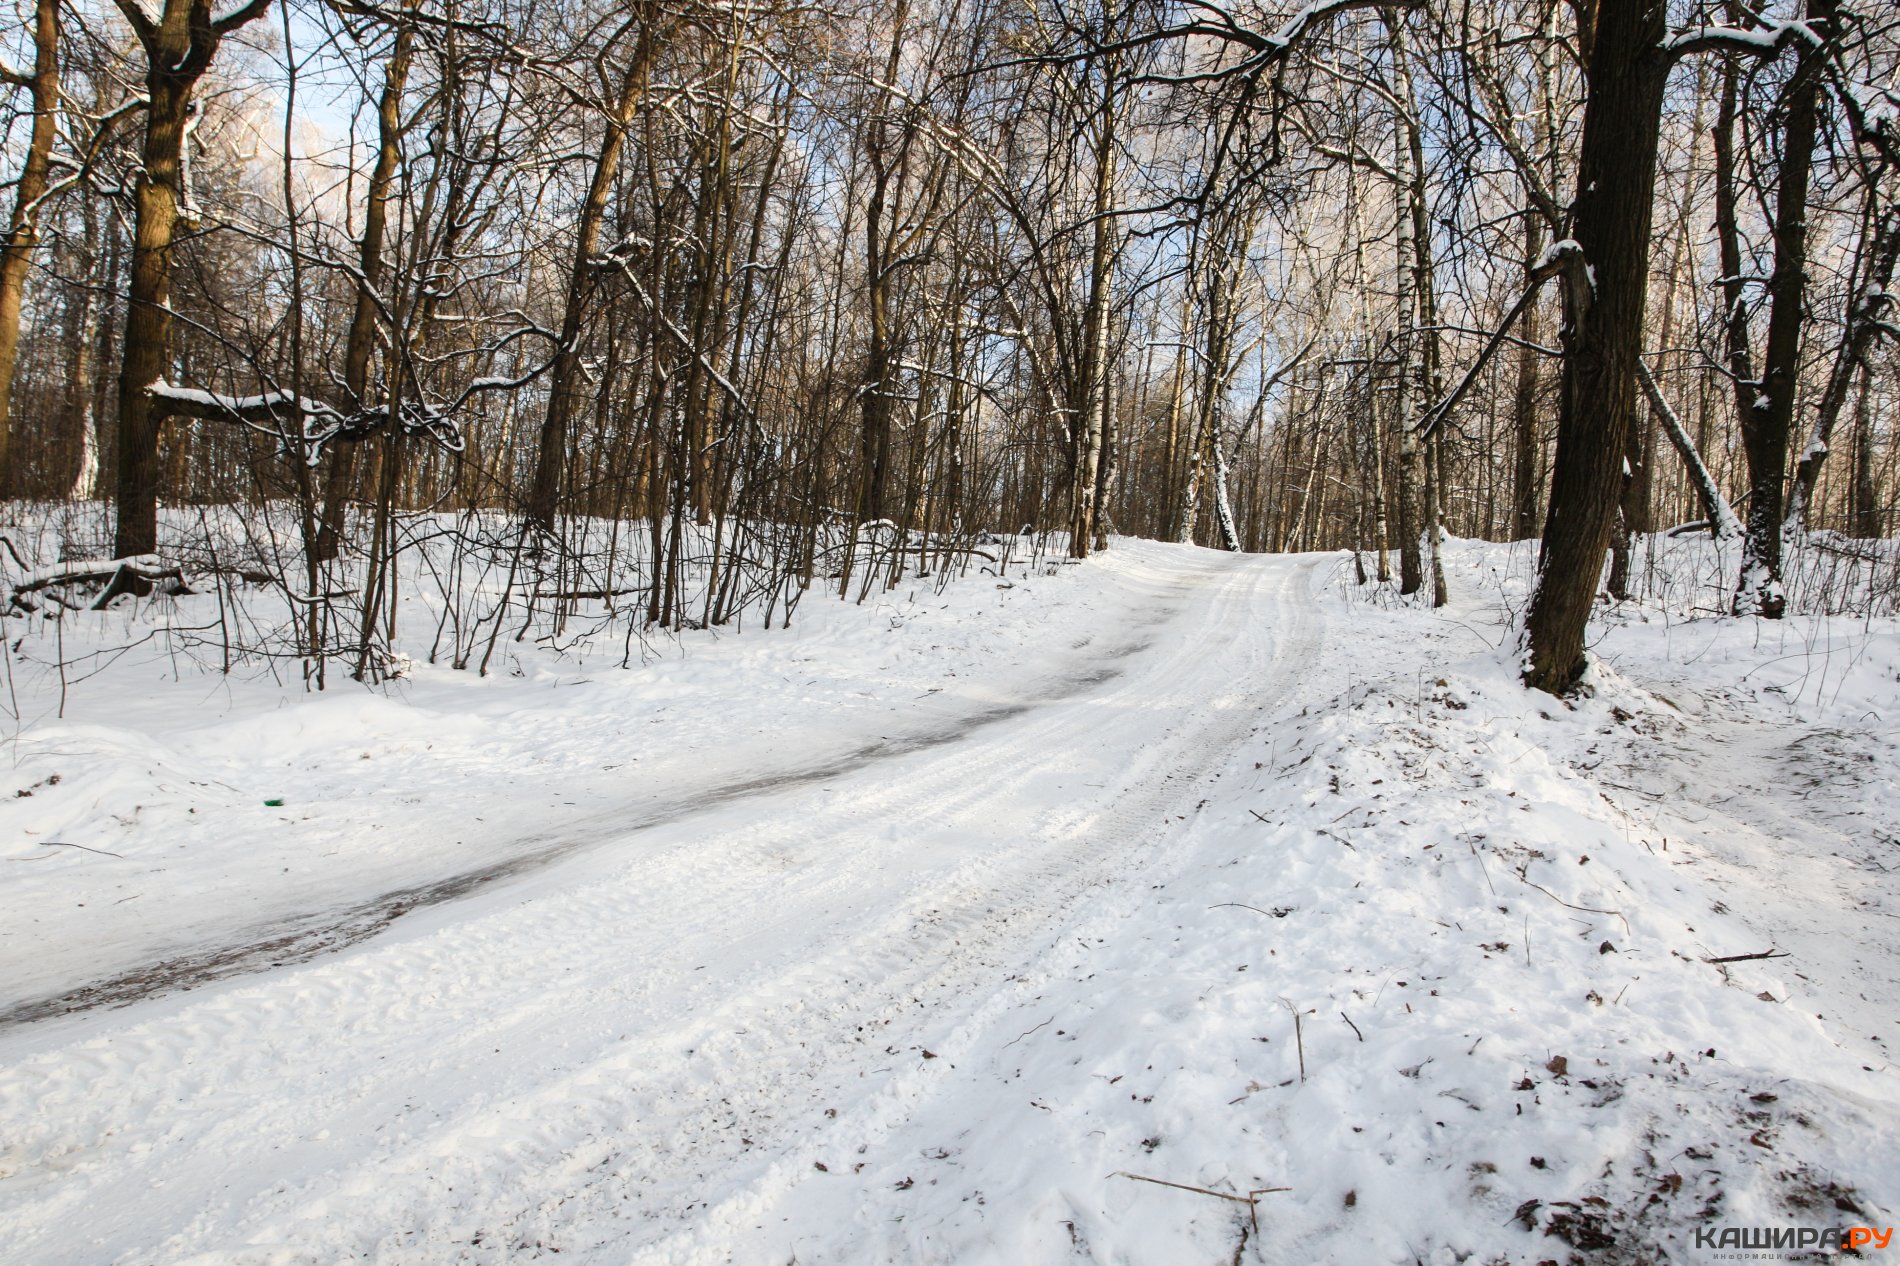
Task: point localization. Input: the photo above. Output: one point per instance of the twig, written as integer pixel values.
(102, 852)
(1181, 1186)
(1744, 958)
(1020, 1036)
(1481, 866)
(1586, 909)
(1251, 1199)
(1349, 1024)
(1241, 905)
(1553, 263)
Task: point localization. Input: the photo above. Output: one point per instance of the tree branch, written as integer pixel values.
(1562, 257)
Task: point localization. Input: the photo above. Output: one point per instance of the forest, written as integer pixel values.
(656, 315)
(949, 632)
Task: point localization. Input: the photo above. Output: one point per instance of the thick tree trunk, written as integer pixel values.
(1411, 561)
(1407, 491)
(148, 317)
(1422, 343)
(16, 253)
(179, 45)
(1603, 317)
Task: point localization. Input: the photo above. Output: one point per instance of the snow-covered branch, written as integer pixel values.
(143, 569)
(1768, 39)
(1720, 514)
(318, 424)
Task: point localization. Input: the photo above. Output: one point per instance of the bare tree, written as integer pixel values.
(179, 43)
(30, 189)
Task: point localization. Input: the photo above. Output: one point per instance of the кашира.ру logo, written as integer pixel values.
(1793, 1237)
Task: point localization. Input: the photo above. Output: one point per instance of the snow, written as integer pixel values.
(1766, 37)
(1762, 39)
(951, 927)
(1557, 252)
(34, 577)
(1877, 104)
(177, 779)
(319, 423)
(237, 406)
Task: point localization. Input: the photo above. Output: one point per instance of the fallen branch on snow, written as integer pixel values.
(1251, 1199)
(117, 572)
(63, 844)
(1241, 905)
(1748, 958)
(1586, 909)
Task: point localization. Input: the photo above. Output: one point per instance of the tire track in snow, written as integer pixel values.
(298, 940)
(563, 1067)
(715, 1231)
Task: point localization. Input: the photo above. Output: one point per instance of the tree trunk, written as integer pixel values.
(565, 386)
(876, 389)
(179, 46)
(1603, 317)
(82, 335)
(1413, 376)
(1867, 308)
(1381, 528)
(148, 317)
(1090, 402)
(16, 253)
(1768, 418)
(1866, 505)
(1434, 517)
(360, 344)
(1105, 469)
(1527, 448)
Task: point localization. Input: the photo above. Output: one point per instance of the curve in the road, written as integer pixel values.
(644, 1051)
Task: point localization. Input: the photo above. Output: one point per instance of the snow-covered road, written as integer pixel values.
(632, 1050)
